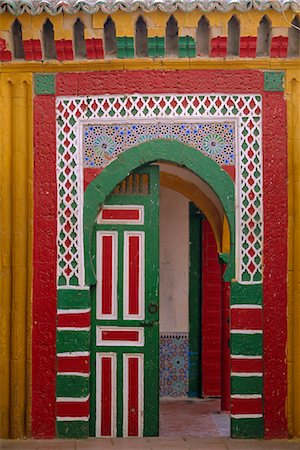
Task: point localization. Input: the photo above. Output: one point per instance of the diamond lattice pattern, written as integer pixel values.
(241, 112)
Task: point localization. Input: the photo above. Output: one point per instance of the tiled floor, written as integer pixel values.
(193, 418)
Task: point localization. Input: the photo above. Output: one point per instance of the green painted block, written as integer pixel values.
(246, 385)
(125, 47)
(73, 299)
(246, 344)
(72, 386)
(44, 84)
(156, 47)
(72, 430)
(186, 47)
(72, 341)
(246, 294)
(273, 81)
(247, 428)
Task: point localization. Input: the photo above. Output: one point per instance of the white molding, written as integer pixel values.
(113, 357)
(121, 343)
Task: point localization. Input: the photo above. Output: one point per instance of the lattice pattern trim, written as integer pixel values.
(74, 113)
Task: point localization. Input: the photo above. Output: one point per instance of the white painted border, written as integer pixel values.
(99, 259)
(126, 357)
(139, 343)
(141, 315)
(113, 357)
(140, 221)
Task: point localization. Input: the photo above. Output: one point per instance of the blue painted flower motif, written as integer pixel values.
(213, 144)
(104, 146)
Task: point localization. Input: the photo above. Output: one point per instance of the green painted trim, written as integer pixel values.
(246, 385)
(195, 301)
(72, 386)
(44, 84)
(156, 47)
(273, 81)
(156, 150)
(125, 47)
(72, 341)
(247, 428)
(246, 344)
(72, 430)
(246, 294)
(223, 258)
(73, 298)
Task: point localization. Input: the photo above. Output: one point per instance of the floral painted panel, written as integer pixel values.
(102, 143)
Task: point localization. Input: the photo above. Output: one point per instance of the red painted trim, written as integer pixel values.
(107, 268)
(246, 319)
(73, 364)
(133, 396)
(246, 406)
(246, 365)
(160, 81)
(120, 214)
(74, 320)
(118, 335)
(44, 275)
(73, 409)
(89, 175)
(275, 263)
(134, 274)
(230, 170)
(106, 396)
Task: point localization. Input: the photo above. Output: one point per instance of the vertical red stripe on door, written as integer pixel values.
(133, 396)
(107, 260)
(134, 274)
(106, 396)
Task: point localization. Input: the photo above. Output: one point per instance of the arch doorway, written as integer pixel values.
(123, 250)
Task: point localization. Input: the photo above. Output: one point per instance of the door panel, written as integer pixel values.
(125, 337)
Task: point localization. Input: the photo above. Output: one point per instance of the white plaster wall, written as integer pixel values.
(174, 261)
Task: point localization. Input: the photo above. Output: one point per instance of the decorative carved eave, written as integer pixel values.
(55, 7)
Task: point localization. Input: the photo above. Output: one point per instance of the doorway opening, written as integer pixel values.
(190, 318)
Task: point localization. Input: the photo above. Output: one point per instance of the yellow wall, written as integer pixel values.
(16, 252)
(16, 190)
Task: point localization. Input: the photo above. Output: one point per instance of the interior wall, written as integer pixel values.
(174, 261)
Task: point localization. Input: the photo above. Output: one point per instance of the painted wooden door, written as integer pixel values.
(125, 334)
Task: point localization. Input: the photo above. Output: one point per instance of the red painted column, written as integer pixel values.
(44, 269)
(275, 264)
(225, 348)
(211, 314)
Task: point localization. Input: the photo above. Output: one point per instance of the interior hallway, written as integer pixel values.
(193, 418)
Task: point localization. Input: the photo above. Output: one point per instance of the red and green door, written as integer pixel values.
(125, 331)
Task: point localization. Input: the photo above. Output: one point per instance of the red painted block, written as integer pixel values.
(73, 409)
(218, 46)
(248, 46)
(32, 50)
(89, 174)
(279, 45)
(64, 50)
(246, 406)
(112, 335)
(94, 48)
(243, 319)
(246, 365)
(78, 320)
(73, 364)
(5, 55)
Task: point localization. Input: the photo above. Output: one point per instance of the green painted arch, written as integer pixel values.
(157, 150)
